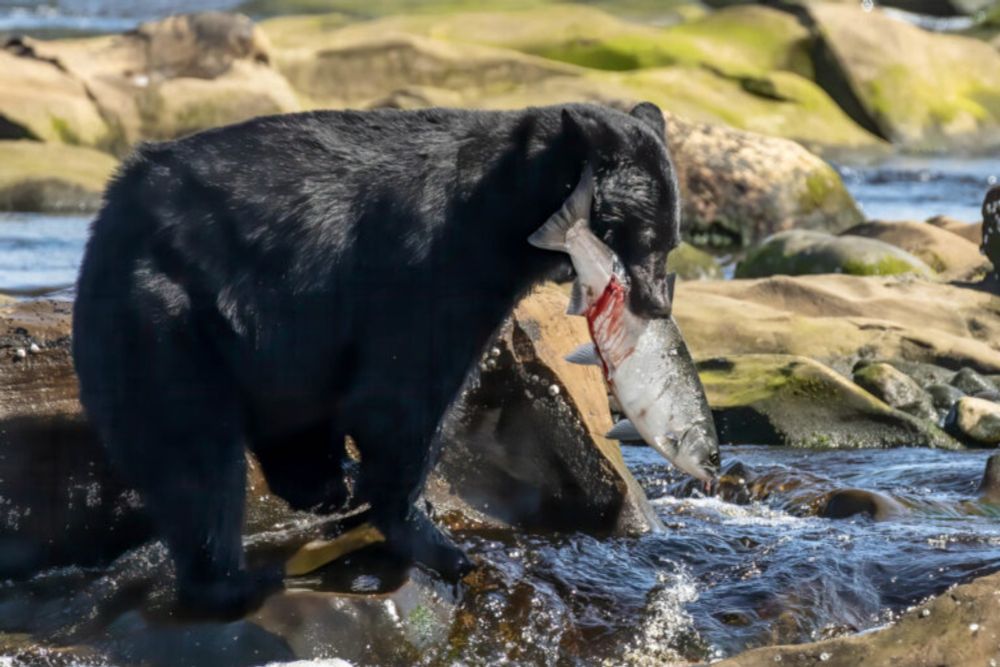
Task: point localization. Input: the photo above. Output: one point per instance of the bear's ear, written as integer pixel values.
(590, 132)
(651, 115)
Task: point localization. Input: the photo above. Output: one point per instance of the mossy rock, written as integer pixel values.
(919, 89)
(41, 101)
(895, 388)
(800, 252)
(799, 402)
(690, 263)
(942, 250)
(52, 177)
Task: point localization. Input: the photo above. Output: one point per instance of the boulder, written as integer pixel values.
(738, 187)
(989, 488)
(938, 248)
(916, 88)
(524, 445)
(976, 421)
(970, 231)
(42, 102)
(958, 627)
(52, 177)
(970, 382)
(839, 319)
(798, 402)
(170, 77)
(895, 388)
(690, 263)
(799, 251)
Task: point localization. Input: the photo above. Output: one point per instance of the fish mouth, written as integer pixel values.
(694, 455)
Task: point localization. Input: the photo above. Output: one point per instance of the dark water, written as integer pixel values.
(757, 568)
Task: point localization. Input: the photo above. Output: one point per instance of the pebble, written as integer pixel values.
(20, 353)
(824, 656)
(34, 349)
(925, 613)
(554, 390)
(494, 352)
(973, 627)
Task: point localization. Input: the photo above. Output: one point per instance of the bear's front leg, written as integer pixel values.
(394, 435)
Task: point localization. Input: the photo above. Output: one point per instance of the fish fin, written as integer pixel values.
(585, 355)
(623, 430)
(671, 281)
(577, 302)
(552, 235)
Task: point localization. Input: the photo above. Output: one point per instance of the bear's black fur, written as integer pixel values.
(285, 282)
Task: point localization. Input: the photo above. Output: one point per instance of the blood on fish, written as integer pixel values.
(605, 319)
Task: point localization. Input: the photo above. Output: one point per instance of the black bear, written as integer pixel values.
(290, 280)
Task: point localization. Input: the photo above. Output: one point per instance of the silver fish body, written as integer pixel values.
(646, 362)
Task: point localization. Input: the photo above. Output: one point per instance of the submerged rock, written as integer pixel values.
(845, 503)
(938, 248)
(798, 402)
(49, 177)
(524, 445)
(799, 252)
(896, 388)
(975, 420)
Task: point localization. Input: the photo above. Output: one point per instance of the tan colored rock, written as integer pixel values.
(936, 246)
(798, 402)
(978, 420)
(895, 388)
(838, 319)
(524, 445)
(958, 627)
(41, 101)
(173, 76)
(917, 88)
(739, 187)
(970, 231)
(37, 176)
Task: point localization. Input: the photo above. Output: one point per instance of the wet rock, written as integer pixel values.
(690, 263)
(944, 395)
(958, 627)
(970, 382)
(837, 319)
(516, 453)
(739, 187)
(845, 503)
(938, 248)
(50, 177)
(62, 503)
(913, 87)
(975, 420)
(989, 488)
(799, 252)
(895, 388)
(169, 77)
(798, 402)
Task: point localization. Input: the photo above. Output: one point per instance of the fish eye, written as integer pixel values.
(713, 458)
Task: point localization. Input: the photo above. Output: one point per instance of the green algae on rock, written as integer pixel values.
(937, 247)
(895, 388)
(690, 263)
(51, 177)
(798, 402)
(798, 252)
